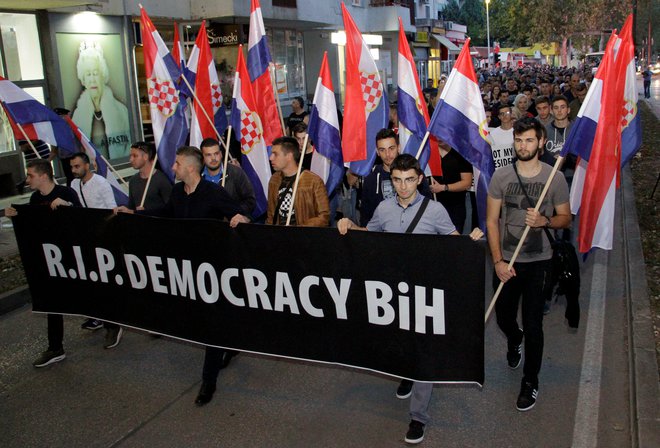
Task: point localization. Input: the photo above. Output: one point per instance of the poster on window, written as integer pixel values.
(93, 85)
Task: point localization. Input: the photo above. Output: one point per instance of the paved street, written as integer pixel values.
(141, 393)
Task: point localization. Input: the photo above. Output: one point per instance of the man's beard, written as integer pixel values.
(528, 157)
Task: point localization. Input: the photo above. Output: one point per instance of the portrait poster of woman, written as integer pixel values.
(94, 88)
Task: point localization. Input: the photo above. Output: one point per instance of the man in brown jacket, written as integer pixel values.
(311, 206)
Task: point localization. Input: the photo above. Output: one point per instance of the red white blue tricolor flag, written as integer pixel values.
(413, 112)
(605, 136)
(366, 110)
(323, 131)
(460, 120)
(177, 49)
(249, 132)
(121, 198)
(167, 111)
(38, 121)
(258, 63)
(207, 89)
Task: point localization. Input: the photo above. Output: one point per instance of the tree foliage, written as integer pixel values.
(471, 13)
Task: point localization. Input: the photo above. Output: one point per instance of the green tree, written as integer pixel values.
(471, 13)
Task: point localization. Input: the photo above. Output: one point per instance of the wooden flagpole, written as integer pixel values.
(146, 187)
(295, 185)
(273, 81)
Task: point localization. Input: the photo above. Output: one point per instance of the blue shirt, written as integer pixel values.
(390, 216)
(215, 179)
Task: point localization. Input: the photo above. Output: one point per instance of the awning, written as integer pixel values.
(446, 43)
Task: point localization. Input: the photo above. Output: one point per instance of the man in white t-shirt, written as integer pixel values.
(502, 139)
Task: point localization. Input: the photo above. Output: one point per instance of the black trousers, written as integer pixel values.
(529, 283)
(55, 332)
(212, 364)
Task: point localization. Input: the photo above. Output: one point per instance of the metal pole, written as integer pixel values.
(488, 32)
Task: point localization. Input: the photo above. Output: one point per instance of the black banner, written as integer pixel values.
(406, 305)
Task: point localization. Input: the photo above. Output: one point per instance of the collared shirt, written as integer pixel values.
(215, 179)
(390, 216)
(95, 193)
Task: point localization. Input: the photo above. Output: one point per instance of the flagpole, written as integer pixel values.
(199, 103)
(524, 235)
(295, 185)
(146, 187)
(421, 147)
(30, 143)
(112, 168)
(224, 167)
(273, 82)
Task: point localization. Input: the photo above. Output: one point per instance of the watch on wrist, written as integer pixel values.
(547, 222)
(446, 187)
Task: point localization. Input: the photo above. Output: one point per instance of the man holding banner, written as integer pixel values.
(513, 192)
(46, 192)
(409, 212)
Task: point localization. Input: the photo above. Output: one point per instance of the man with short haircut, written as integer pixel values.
(195, 197)
(576, 104)
(311, 207)
(559, 127)
(543, 109)
(237, 184)
(47, 193)
(141, 158)
(512, 87)
(503, 100)
(395, 214)
(377, 184)
(508, 212)
(299, 132)
(571, 92)
(545, 88)
(502, 138)
(94, 191)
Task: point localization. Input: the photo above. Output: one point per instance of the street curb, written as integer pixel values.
(13, 299)
(645, 396)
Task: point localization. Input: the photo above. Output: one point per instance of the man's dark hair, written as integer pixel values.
(209, 142)
(289, 145)
(148, 148)
(387, 133)
(300, 100)
(559, 98)
(526, 124)
(299, 127)
(41, 166)
(580, 87)
(542, 99)
(405, 162)
(193, 153)
(83, 156)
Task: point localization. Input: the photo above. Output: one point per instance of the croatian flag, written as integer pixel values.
(167, 110)
(121, 198)
(366, 110)
(258, 63)
(323, 130)
(38, 121)
(459, 120)
(412, 111)
(606, 135)
(177, 49)
(207, 89)
(248, 131)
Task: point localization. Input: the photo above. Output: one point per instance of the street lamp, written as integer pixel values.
(488, 33)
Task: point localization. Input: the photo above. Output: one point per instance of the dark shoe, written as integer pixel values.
(404, 390)
(546, 307)
(527, 397)
(415, 432)
(92, 324)
(514, 352)
(113, 336)
(227, 356)
(49, 357)
(205, 394)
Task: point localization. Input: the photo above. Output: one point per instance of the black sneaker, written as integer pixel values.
(49, 357)
(415, 432)
(527, 397)
(113, 336)
(404, 390)
(514, 352)
(92, 324)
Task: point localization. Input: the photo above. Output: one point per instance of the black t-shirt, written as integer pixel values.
(60, 191)
(284, 195)
(453, 164)
(294, 119)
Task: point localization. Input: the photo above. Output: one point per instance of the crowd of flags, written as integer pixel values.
(186, 104)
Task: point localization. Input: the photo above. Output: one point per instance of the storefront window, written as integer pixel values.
(287, 52)
(21, 52)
